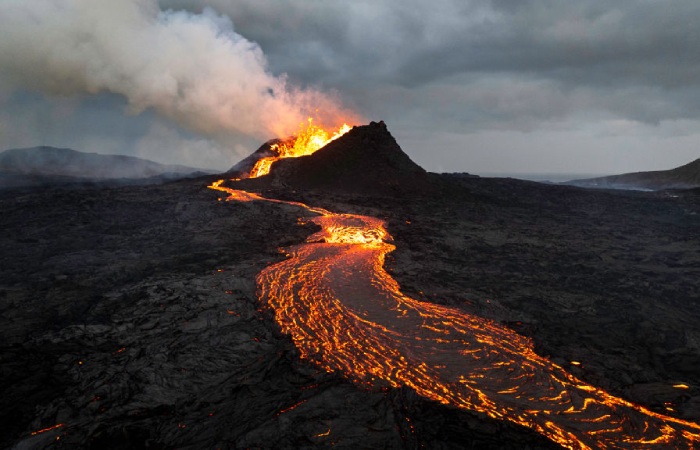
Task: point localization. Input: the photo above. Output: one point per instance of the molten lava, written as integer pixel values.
(309, 139)
(345, 313)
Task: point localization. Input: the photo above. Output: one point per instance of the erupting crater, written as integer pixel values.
(307, 141)
(345, 313)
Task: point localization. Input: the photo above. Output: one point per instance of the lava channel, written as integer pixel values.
(346, 314)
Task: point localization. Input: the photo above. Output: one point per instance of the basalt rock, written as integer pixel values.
(129, 319)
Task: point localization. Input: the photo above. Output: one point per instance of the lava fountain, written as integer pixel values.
(310, 138)
(346, 314)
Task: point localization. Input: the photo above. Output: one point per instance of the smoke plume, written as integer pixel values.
(193, 69)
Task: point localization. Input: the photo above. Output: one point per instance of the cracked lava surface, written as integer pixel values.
(345, 313)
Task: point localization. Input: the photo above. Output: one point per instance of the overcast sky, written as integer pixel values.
(500, 86)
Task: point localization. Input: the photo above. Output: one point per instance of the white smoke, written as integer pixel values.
(193, 69)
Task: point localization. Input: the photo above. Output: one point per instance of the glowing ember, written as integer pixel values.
(291, 408)
(44, 430)
(327, 433)
(309, 139)
(346, 314)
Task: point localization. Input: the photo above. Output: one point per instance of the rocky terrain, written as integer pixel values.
(129, 315)
(607, 279)
(683, 177)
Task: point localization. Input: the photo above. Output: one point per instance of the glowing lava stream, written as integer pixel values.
(345, 313)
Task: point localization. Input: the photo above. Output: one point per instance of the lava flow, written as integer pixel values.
(309, 139)
(345, 313)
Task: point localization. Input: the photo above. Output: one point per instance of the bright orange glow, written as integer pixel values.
(327, 433)
(346, 314)
(681, 386)
(291, 408)
(44, 430)
(308, 140)
(262, 166)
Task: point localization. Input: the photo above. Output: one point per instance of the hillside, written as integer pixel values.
(684, 177)
(243, 167)
(28, 166)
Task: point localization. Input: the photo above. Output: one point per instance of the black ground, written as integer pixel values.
(129, 314)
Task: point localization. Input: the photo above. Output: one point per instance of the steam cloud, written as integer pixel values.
(191, 68)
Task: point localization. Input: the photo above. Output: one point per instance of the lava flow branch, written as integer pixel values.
(345, 313)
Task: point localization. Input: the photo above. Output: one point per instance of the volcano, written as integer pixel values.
(366, 160)
(346, 314)
(114, 334)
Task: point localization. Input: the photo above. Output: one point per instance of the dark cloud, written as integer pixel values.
(416, 42)
(467, 69)
(634, 59)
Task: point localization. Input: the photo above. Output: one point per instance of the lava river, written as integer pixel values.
(345, 313)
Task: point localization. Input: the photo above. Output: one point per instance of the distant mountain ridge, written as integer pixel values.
(63, 164)
(683, 177)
